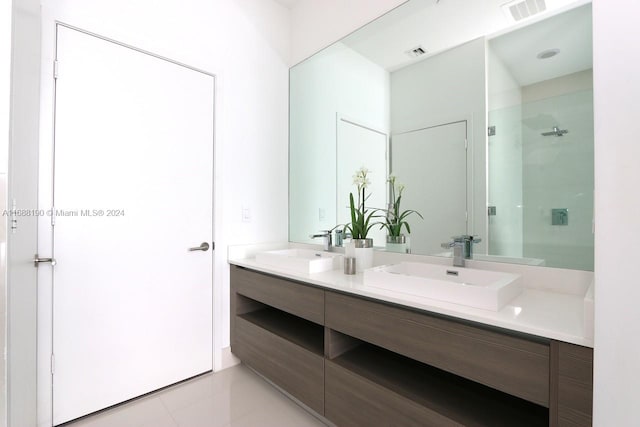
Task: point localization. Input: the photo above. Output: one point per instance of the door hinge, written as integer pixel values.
(213, 246)
(55, 69)
(53, 364)
(491, 131)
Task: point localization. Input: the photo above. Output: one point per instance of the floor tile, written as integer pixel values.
(204, 413)
(235, 397)
(219, 409)
(148, 411)
(204, 387)
(279, 415)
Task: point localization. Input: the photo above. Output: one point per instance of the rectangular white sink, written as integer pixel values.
(299, 260)
(489, 290)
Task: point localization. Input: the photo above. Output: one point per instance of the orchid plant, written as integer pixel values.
(361, 217)
(395, 219)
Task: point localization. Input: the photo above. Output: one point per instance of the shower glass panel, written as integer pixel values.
(541, 176)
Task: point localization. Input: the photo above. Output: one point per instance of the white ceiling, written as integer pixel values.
(436, 26)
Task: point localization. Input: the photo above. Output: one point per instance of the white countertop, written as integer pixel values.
(537, 311)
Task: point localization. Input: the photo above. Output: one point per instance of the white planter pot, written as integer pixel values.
(362, 251)
(396, 244)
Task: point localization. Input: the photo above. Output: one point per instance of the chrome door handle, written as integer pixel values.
(204, 246)
(37, 260)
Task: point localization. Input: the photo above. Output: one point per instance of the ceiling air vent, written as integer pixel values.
(521, 9)
(416, 51)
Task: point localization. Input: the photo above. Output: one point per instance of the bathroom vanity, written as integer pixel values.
(360, 360)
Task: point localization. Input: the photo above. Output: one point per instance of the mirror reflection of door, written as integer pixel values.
(432, 164)
(359, 145)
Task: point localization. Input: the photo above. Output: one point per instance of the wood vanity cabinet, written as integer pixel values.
(277, 329)
(571, 384)
(361, 362)
(511, 364)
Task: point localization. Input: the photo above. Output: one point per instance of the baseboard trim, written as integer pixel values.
(227, 359)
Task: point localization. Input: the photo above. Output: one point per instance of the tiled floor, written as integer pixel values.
(235, 397)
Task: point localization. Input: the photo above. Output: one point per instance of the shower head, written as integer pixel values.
(555, 132)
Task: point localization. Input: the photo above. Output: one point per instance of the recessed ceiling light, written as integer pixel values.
(549, 53)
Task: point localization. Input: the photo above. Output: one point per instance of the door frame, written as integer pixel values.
(46, 179)
(19, 285)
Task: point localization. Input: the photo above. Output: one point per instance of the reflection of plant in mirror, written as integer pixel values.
(360, 215)
(396, 219)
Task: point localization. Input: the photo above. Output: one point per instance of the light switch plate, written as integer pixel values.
(246, 214)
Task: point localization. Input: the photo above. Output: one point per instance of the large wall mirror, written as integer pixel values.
(482, 109)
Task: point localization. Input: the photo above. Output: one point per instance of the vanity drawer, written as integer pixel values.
(295, 298)
(351, 400)
(298, 371)
(508, 363)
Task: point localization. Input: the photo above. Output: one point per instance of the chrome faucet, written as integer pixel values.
(326, 239)
(462, 248)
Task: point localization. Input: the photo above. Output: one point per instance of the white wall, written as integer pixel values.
(5, 85)
(336, 81)
(316, 24)
(617, 176)
(21, 276)
(570, 83)
(246, 44)
(503, 90)
(448, 87)
(5, 81)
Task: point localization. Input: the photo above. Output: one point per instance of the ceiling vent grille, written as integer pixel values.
(416, 51)
(521, 9)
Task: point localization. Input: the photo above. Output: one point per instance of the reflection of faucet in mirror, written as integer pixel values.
(339, 238)
(462, 248)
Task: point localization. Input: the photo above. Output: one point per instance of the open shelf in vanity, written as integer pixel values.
(358, 361)
(368, 385)
(301, 332)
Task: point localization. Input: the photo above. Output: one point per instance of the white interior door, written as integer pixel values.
(425, 160)
(358, 146)
(133, 190)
